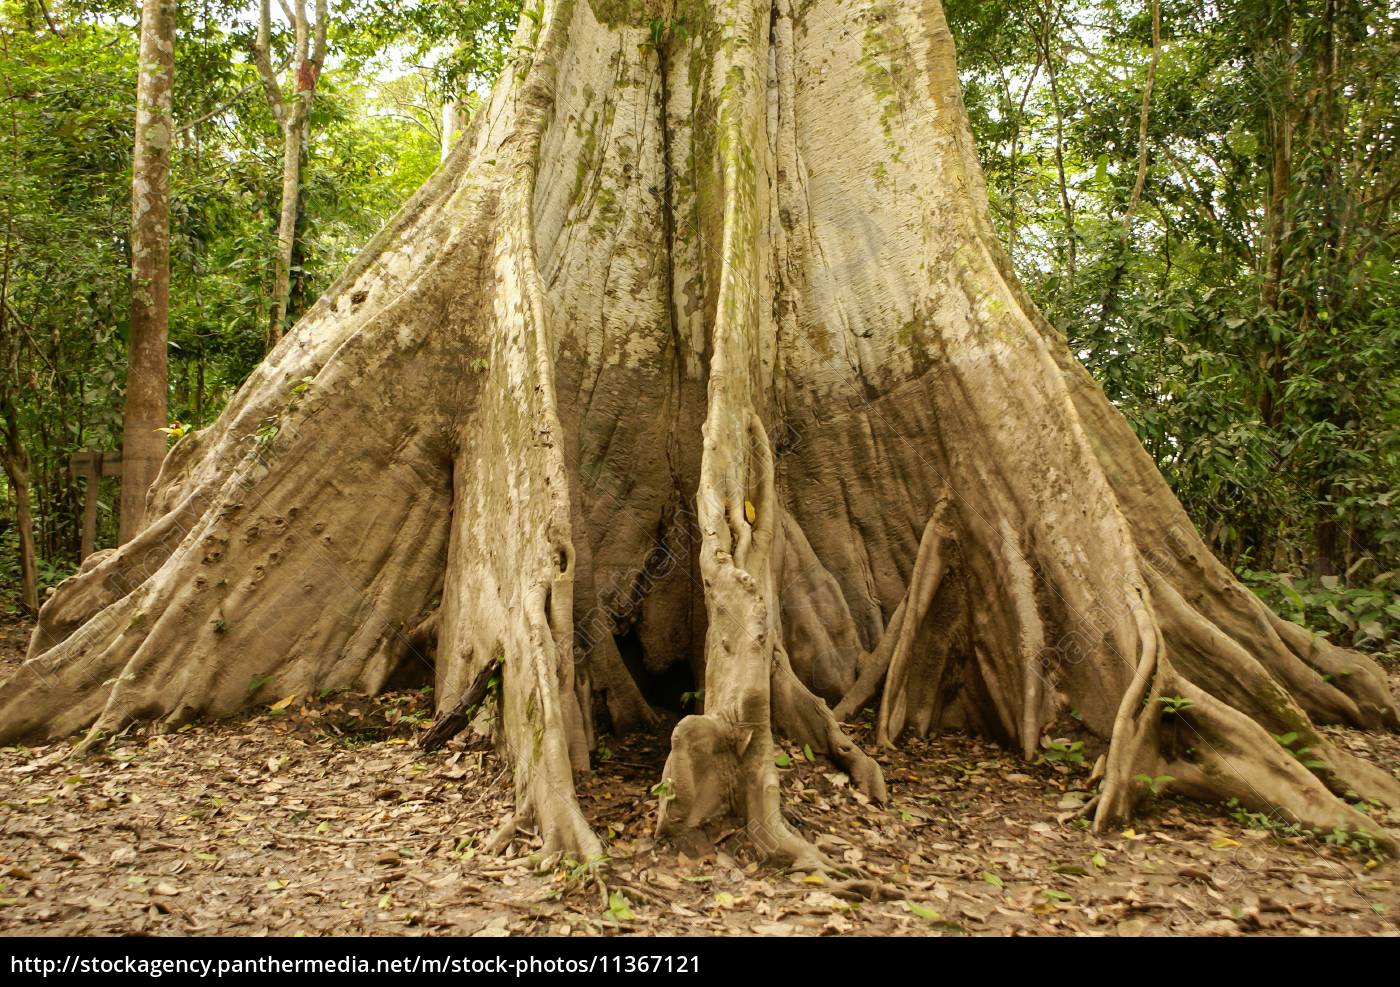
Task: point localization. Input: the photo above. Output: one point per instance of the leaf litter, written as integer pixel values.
(320, 815)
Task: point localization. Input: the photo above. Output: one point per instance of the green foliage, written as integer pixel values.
(1358, 841)
(1366, 617)
(1054, 751)
(1154, 783)
(66, 122)
(1261, 371)
(1289, 742)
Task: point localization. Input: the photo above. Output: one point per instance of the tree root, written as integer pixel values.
(923, 585)
(454, 722)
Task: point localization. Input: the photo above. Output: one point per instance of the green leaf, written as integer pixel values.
(619, 908)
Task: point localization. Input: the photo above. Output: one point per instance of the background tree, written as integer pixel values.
(1253, 340)
(293, 115)
(68, 138)
(143, 444)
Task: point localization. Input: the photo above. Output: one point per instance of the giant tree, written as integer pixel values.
(698, 358)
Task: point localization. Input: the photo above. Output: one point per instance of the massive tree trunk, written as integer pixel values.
(144, 412)
(699, 357)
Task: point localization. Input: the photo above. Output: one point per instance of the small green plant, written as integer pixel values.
(1360, 804)
(1300, 754)
(1054, 751)
(266, 434)
(1171, 705)
(619, 907)
(1261, 821)
(695, 698)
(664, 789)
(660, 33)
(1356, 840)
(1154, 783)
(578, 873)
(524, 56)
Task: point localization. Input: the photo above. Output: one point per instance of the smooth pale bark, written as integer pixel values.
(144, 411)
(292, 113)
(452, 115)
(699, 356)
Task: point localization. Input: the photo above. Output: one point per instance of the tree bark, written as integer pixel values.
(144, 412)
(701, 346)
(16, 459)
(293, 118)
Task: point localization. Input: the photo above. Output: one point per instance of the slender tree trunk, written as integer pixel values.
(1051, 15)
(1120, 264)
(16, 458)
(1276, 228)
(292, 113)
(293, 139)
(451, 127)
(17, 471)
(143, 445)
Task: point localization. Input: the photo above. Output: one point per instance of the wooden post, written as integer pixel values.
(92, 465)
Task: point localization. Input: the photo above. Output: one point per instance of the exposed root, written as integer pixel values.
(855, 889)
(1225, 755)
(1134, 728)
(805, 719)
(923, 586)
(460, 717)
(500, 838)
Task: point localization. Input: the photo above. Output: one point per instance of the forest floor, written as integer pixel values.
(325, 818)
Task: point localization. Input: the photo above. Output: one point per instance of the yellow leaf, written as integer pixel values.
(1224, 843)
(814, 879)
(283, 703)
(749, 511)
